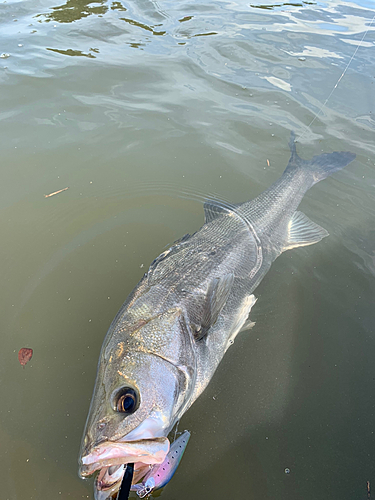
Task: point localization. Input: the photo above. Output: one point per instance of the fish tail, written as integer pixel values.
(320, 166)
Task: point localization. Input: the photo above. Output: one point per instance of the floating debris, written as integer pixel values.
(56, 192)
(24, 355)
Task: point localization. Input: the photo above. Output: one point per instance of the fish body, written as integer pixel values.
(170, 335)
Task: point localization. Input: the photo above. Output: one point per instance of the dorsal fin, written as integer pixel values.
(214, 209)
(173, 248)
(217, 294)
(183, 238)
(302, 232)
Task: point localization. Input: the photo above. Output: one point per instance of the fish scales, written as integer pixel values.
(226, 245)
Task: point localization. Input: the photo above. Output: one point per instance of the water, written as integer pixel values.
(143, 110)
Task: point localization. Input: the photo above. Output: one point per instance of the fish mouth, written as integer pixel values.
(108, 481)
(110, 458)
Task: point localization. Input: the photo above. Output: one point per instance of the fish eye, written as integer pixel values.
(126, 400)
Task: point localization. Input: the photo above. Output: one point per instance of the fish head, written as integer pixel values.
(139, 392)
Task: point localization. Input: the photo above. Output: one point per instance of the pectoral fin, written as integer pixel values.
(217, 294)
(302, 232)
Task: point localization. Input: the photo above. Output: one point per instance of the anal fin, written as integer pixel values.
(248, 325)
(302, 232)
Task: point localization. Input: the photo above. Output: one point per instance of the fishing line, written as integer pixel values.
(176, 429)
(126, 483)
(337, 83)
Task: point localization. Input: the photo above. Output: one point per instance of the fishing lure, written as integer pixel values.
(160, 474)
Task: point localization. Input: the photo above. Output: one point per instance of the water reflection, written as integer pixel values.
(143, 26)
(118, 6)
(280, 5)
(73, 10)
(76, 53)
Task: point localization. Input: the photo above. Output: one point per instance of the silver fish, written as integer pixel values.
(170, 335)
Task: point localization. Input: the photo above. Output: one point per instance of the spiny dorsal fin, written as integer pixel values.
(302, 232)
(217, 294)
(183, 239)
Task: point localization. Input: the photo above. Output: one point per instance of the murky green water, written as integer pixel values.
(145, 109)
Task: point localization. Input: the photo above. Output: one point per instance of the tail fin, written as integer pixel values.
(320, 166)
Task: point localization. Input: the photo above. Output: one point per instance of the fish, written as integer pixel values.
(168, 338)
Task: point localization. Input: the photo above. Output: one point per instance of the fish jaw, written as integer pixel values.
(110, 459)
(107, 484)
(108, 481)
(108, 454)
